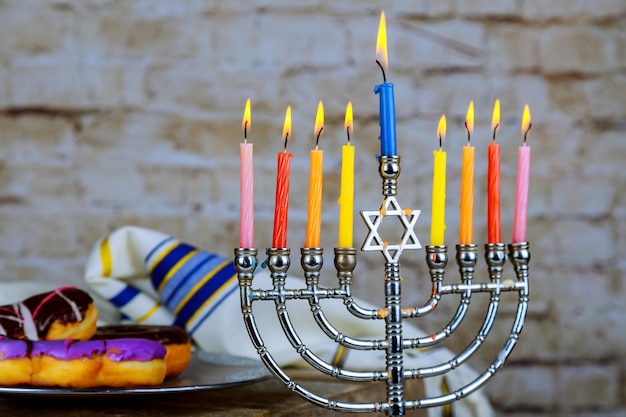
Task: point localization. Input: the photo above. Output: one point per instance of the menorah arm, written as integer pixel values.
(495, 258)
(481, 379)
(277, 371)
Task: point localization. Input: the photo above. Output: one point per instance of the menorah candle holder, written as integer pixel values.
(394, 343)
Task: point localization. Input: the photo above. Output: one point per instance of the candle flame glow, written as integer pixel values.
(495, 119)
(441, 128)
(287, 127)
(469, 119)
(246, 121)
(381, 43)
(348, 123)
(526, 121)
(319, 123)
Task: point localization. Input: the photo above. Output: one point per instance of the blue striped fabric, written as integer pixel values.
(192, 283)
(125, 296)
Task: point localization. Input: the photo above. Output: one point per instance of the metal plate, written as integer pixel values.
(205, 371)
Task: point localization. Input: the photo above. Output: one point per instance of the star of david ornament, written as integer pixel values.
(374, 219)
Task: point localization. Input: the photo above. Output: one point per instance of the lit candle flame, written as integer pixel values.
(441, 129)
(526, 122)
(469, 120)
(319, 123)
(246, 121)
(381, 44)
(495, 119)
(287, 127)
(348, 123)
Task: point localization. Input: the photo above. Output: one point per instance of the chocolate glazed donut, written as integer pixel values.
(66, 312)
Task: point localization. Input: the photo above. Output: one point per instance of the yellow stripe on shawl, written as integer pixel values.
(105, 257)
(227, 284)
(340, 356)
(175, 268)
(148, 313)
(163, 254)
(199, 285)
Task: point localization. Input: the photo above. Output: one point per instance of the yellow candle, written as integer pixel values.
(346, 195)
(314, 218)
(466, 234)
(438, 226)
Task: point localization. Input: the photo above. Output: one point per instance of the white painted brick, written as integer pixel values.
(527, 386)
(580, 49)
(572, 197)
(588, 386)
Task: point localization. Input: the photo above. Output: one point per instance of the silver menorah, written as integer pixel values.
(394, 343)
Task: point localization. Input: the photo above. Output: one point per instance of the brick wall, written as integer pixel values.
(128, 112)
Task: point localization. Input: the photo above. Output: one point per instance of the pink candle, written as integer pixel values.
(246, 197)
(246, 186)
(523, 180)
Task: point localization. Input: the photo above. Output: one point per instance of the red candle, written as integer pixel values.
(281, 210)
(493, 182)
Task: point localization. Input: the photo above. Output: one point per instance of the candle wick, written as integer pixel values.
(383, 70)
(494, 132)
(245, 131)
(348, 133)
(530, 124)
(440, 143)
(468, 133)
(317, 139)
(286, 140)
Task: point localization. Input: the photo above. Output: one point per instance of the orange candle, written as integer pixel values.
(279, 237)
(314, 217)
(493, 182)
(466, 234)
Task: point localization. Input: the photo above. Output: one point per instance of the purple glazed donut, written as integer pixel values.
(82, 364)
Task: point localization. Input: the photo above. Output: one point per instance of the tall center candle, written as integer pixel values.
(314, 216)
(437, 224)
(494, 234)
(466, 233)
(387, 110)
(281, 209)
(523, 180)
(246, 188)
(346, 195)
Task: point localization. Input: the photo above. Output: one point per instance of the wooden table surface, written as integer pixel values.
(267, 398)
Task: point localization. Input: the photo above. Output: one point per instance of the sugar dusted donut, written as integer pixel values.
(176, 341)
(82, 364)
(66, 312)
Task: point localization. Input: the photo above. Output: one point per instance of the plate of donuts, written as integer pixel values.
(205, 371)
(50, 344)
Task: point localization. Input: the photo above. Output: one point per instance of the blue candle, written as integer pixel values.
(387, 109)
(387, 119)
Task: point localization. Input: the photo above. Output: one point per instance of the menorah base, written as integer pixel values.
(395, 376)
